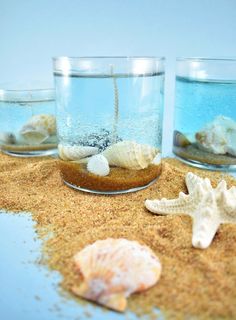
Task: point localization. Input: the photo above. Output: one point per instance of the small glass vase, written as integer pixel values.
(109, 116)
(27, 121)
(205, 113)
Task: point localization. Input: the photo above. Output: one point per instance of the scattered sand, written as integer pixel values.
(193, 283)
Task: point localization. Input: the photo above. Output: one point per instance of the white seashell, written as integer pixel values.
(75, 152)
(7, 138)
(207, 206)
(39, 128)
(113, 269)
(130, 155)
(218, 136)
(98, 165)
(157, 159)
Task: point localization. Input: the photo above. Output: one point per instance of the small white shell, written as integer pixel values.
(130, 155)
(75, 152)
(39, 128)
(7, 137)
(98, 165)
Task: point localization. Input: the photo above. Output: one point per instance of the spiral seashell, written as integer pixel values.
(39, 128)
(113, 269)
(98, 165)
(130, 155)
(7, 138)
(75, 152)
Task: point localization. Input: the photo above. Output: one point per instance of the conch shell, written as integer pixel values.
(39, 128)
(130, 155)
(98, 165)
(113, 269)
(218, 137)
(67, 152)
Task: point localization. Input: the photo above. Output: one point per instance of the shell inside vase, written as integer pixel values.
(213, 144)
(38, 129)
(28, 121)
(218, 136)
(121, 166)
(37, 136)
(130, 155)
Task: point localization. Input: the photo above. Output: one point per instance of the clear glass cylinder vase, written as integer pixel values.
(109, 118)
(205, 113)
(27, 121)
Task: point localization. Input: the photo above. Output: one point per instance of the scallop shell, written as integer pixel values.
(130, 155)
(39, 128)
(75, 152)
(98, 165)
(113, 269)
(7, 138)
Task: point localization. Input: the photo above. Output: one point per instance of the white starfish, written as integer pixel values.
(207, 206)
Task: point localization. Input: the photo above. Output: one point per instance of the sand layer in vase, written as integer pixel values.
(192, 152)
(195, 284)
(18, 148)
(118, 178)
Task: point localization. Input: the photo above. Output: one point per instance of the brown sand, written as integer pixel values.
(118, 178)
(192, 152)
(25, 148)
(193, 282)
(183, 148)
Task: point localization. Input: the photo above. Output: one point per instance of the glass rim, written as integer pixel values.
(204, 59)
(26, 90)
(24, 95)
(159, 58)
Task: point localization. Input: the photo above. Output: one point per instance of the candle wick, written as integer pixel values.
(116, 106)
